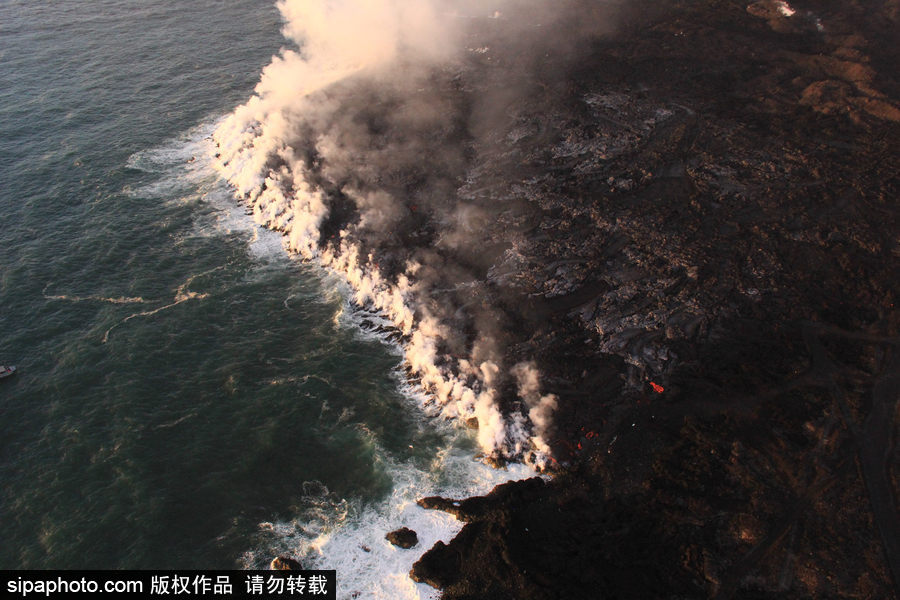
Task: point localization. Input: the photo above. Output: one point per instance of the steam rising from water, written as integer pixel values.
(357, 144)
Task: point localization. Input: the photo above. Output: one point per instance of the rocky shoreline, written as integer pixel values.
(649, 246)
(706, 278)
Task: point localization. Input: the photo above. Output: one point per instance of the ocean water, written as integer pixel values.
(189, 394)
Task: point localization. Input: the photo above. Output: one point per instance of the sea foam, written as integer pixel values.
(330, 532)
(333, 534)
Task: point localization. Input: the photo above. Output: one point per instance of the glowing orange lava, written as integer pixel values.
(657, 388)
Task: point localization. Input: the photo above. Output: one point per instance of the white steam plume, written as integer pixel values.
(351, 150)
(540, 407)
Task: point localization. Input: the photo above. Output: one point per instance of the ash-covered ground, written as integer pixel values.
(649, 246)
(704, 267)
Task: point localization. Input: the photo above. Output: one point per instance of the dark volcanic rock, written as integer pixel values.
(284, 563)
(439, 567)
(708, 277)
(562, 540)
(683, 214)
(404, 538)
(471, 509)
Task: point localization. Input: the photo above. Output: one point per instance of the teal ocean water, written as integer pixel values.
(188, 395)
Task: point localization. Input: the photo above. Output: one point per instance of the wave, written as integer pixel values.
(330, 532)
(97, 298)
(182, 294)
(180, 171)
(349, 537)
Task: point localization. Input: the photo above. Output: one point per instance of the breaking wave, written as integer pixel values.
(328, 531)
(349, 537)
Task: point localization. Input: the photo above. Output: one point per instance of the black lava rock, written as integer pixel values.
(404, 538)
(284, 563)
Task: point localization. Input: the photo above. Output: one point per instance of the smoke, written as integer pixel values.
(348, 33)
(362, 144)
(540, 407)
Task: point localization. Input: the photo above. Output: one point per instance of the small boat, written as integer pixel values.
(6, 371)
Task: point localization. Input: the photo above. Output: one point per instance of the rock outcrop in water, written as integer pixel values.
(285, 563)
(404, 538)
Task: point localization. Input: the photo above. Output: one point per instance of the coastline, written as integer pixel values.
(668, 277)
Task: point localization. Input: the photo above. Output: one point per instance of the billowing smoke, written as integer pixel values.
(540, 407)
(362, 145)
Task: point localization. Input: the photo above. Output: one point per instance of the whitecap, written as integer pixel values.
(349, 537)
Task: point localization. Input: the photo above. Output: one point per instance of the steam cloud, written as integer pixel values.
(360, 145)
